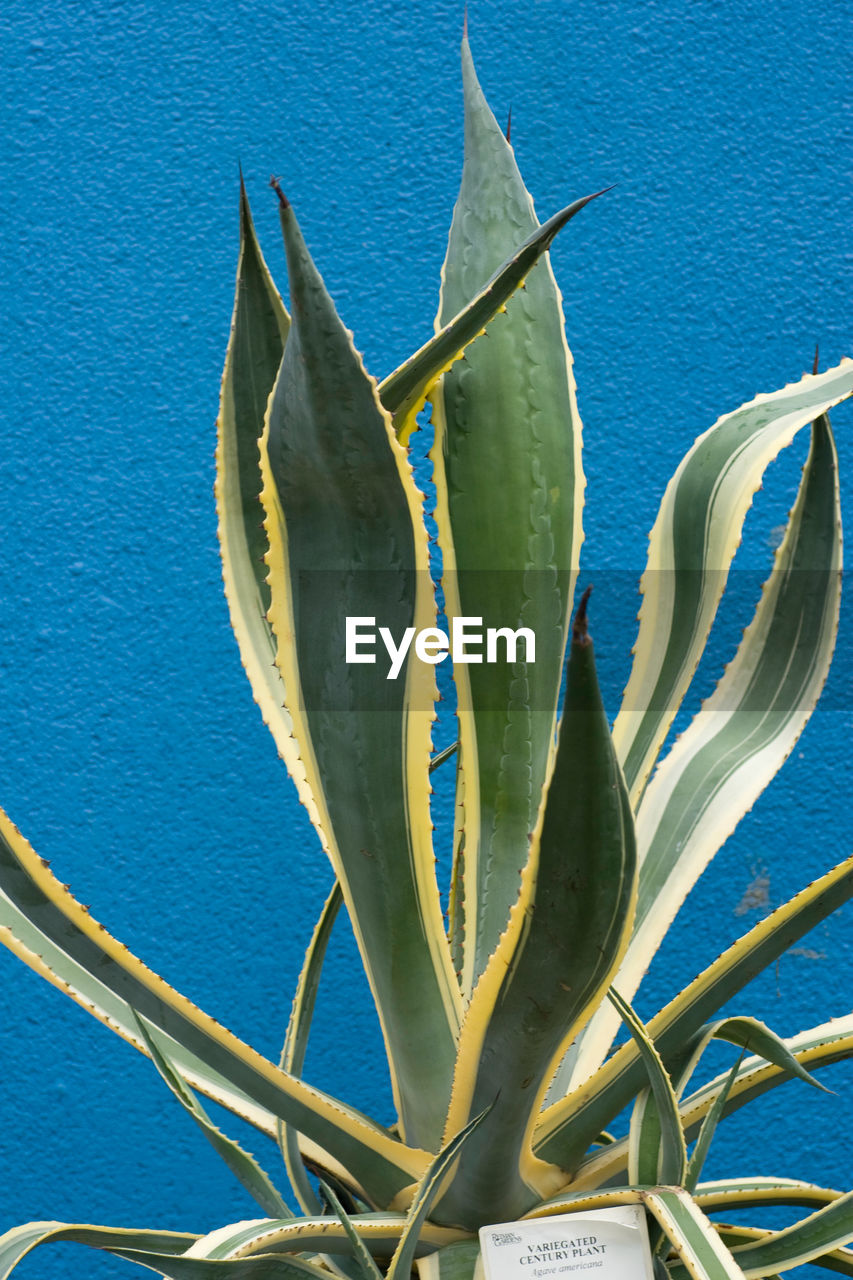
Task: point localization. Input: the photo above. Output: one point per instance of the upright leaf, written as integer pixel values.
(347, 539)
(699, 1154)
(259, 329)
(553, 964)
(509, 492)
(400, 1266)
(364, 1264)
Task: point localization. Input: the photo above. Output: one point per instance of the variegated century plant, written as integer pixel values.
(574, 846)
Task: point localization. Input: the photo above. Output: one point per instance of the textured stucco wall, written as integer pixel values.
(132, 754)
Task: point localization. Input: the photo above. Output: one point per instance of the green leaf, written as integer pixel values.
(749, 1193)
(569, 1126)
(745, 731)
(658, 1150)
(347, 539)
(693, 1237)
(460, 1261)
(401, 1263)
(42, 923)
(296, 1043)
(259, 329)
(404, 392)
(380, 1233)
(363, 1258)
(691, 547)
(699, 1154)
(747, 1033)
(827, 1229)
(564, 939)
(17, 1243)
(819, 1047)
(583, 1201)
(243, 1165)
(506, 423)
(438, 760)
(839, 1260)
(814, 1049)
(268, 1267)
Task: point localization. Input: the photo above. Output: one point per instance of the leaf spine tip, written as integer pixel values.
(816, 357)
(276, 186)
(580, 629)
(509, 125)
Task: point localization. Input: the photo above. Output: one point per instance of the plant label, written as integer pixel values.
(601, 1244)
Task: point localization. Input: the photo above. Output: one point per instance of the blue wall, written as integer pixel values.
(132, 754)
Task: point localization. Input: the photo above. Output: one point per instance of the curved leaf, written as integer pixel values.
(690, 550)
(269, 1267)
(657, 1151)
(17, 1243)
(242, 1164)
(380, 1233)
(745, 730)
(814, 1049)
(693, 1237)
(825, 1230)
(747, 1033)
(296, 1043)
(43, 924)
(750, 1193)
(569, 1201)
(567, 1128)
(839, 1260)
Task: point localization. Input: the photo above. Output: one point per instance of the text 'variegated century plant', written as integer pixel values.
(574, 846)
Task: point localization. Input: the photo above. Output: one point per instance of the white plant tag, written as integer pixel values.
(602, 1244)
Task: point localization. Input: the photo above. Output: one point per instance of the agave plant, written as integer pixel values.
(574, 845)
